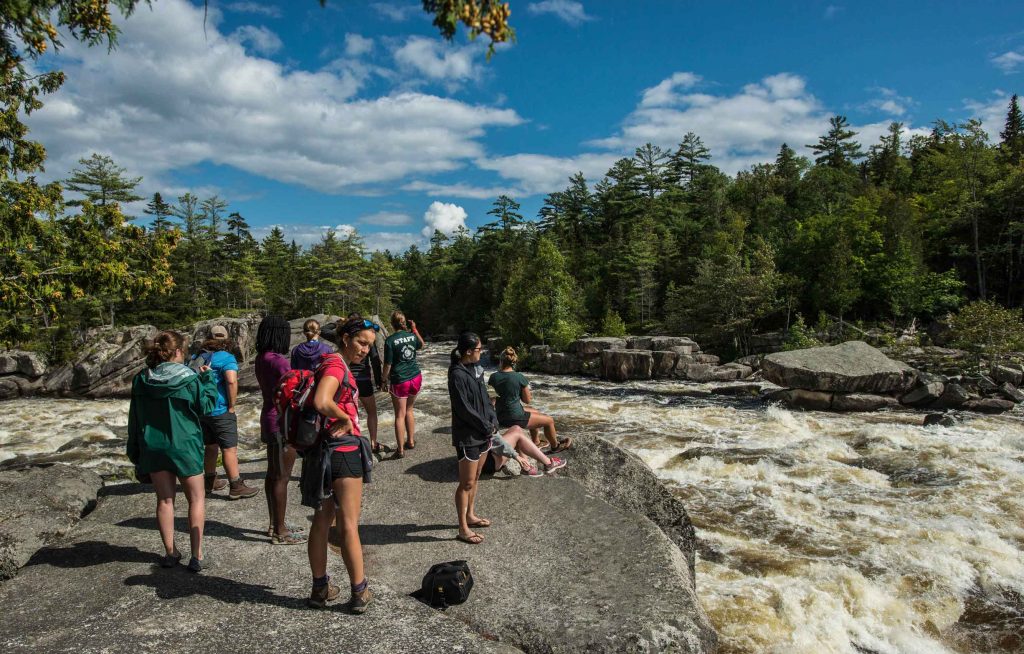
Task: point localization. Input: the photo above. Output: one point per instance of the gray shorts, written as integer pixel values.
(220, 430)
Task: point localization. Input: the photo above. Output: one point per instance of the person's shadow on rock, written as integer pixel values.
(212, 528)
(169, 585)
(90, 553)
(397, 534)
(445, 470)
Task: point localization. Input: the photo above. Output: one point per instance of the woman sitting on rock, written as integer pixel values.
(165, 438)
(513, 389)
(347, 465)
(516, 444)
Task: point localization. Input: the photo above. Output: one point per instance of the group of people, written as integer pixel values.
(182, 416)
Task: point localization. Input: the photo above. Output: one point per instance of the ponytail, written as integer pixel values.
(161, 349)
(456, 356)
(467, 342)
(398, 321)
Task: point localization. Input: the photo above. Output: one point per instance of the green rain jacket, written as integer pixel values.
(163, 421)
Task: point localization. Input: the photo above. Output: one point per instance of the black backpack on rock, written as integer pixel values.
(446, 584)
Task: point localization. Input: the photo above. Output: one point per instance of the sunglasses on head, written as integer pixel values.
(369, 324)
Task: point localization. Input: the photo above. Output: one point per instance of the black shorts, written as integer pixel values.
(472, 452)
(516, 422)
(220, 430)
(365, 387)
(346, 464)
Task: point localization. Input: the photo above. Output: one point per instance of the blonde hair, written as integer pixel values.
(161, 349)
(509, 357)
(398, 320)
(311, 326)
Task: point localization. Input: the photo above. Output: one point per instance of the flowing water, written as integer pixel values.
(818, 532)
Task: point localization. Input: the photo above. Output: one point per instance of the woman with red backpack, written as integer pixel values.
(345, 464)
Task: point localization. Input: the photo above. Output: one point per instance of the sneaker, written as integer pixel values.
(531, 471)
(556, 463)
(320, 595)
(170, 560)
(359, 601)
(240, 491)
(197, 565)
(215, 484)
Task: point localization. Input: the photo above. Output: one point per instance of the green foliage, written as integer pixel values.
(101, 181)
(799, 336)
(988, 330)
(612, 325)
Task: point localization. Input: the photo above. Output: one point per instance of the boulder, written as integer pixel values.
(752, 361)
(241, 331)
(1011, 392)
(798, 398)
(29, 364)
(924, 394)
(685, 350)
(953, 396)
(710, 359)
(40, 506)
(592, 347)
(560, 363)
(539, 354)
(737, 390)
(852, 367)
(941, 419)
(106, 366)
(698, 372)
(767, 342)
(669, 342)
(743, 370)
(9, 388)
(862, 402)
(1007, 375)
(664, 363)
(620, 365)
(988, 405)
(638, 343)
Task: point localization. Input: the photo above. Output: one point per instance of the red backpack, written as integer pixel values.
(301, 423)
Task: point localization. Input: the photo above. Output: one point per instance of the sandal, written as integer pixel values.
(563, 445)
(287, 539)
(376, 448)
(398, 455)
(472, 539)
(482, 522)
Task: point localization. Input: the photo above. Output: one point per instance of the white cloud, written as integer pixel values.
(443, 217)
(664, 93)
(568, 10)
(991, 113)
(170, 97)
(437, 60)
(259, 39)
(538, 173)
(356, 45)
(395, 11)
(393, 241)
(254, 8)
(460, 190)
(386, 218)
(889, 102)
(1008, 62)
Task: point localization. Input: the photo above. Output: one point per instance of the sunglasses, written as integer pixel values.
(369, 324)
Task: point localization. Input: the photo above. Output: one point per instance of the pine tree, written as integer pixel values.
(837, 149)
(1013, 133)
(506, 212)
(160, 211)
(101, 181)
(653, 164)
(689, 158)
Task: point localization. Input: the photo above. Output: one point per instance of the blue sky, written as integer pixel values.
(360, 116)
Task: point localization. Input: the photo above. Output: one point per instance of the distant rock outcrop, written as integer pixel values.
(851, 367)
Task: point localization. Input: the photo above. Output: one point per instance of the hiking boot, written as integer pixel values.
(240, 491)
(320, 595)
(555, 464)
(215, 484)
(359, 601)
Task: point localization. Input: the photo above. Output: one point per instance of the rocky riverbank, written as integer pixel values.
(599, 559)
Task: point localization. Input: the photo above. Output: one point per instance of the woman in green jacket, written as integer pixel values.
(165, 439)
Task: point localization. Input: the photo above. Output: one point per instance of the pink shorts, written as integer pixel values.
(407, 388)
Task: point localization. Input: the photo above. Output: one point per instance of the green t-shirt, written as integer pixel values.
(400, 352)
(509, 387)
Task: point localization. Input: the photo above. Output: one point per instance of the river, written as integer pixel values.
(819, 532)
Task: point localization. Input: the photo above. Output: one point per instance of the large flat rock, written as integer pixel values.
(852, 367)
(568, 566)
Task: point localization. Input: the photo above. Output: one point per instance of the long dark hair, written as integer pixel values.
(274, 335)
(467, 341)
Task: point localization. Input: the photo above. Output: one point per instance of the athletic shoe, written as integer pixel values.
(197, 565)
(531, 472)
(320, 595)
(556, 463)
(240, 491)
(359, 601)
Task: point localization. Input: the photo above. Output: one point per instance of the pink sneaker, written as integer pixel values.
(556, 463)
(531, 472)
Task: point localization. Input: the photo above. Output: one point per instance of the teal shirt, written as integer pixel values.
(400, 352)
(509, 387)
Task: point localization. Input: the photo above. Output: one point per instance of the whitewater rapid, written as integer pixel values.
(818, 532)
